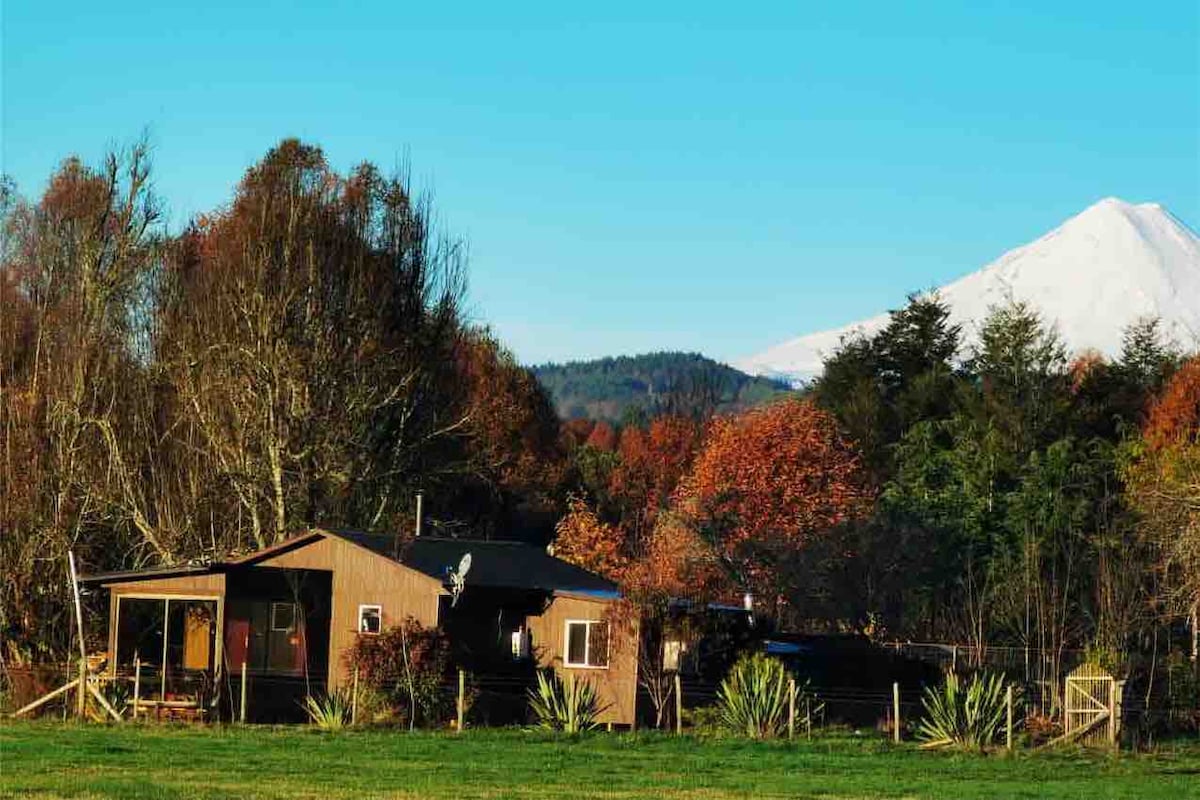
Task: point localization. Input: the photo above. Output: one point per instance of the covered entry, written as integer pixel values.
(183, 639)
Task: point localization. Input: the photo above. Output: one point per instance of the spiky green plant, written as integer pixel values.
(329, 712)
(753, 698)
(568, 705)
(970, 716)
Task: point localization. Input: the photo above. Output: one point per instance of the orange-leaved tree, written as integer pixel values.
(1163, 481)
(650, 464)
(583, 539)
(767, 484)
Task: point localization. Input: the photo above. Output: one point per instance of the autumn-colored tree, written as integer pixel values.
(514, 460)
(769, 482)
(1174, 418)
(1163, 480)
(602, 437)
(309, 333)
(76, 264)
(651, 463)
(572, 433)
(583, 539)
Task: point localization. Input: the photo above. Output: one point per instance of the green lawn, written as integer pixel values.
(53, 760)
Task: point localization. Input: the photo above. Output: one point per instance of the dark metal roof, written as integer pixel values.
(494, 563)
(124, 576)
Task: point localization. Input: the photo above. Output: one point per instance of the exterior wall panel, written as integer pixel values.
(362, 577)
(616, 683)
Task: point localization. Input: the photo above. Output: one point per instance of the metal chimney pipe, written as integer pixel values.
(420, 510)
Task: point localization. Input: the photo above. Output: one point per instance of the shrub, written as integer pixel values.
(753, 698)
(329, 712)
(971, 717)
(570, 706)
(408, 665)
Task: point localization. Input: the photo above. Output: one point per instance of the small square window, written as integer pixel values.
(586, 644)
(283, 616)
(370, 619)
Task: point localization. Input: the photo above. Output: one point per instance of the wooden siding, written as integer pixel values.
(616, 683)
(362, 577)
(203, 585)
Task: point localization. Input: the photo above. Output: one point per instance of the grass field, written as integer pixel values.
(50, 760)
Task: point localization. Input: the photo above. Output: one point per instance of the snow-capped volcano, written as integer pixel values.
(1091, 276)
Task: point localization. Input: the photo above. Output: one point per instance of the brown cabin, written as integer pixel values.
(287, 615)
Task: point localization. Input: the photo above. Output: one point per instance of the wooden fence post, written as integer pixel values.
(808, 716)
(462, 689)
(896, 712)
(791, 707)
(678, 704)
(81, 694)
(1112, 712)
(242, 706)
(137, 684)
(354, 699)
(1008, 735)
(1117, 705)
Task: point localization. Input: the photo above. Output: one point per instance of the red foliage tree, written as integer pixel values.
(513, 444)
(602, 437)
(772, 479)
(1163, 483)
(1174, 417)
(652, 462)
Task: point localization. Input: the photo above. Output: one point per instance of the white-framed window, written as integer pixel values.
(370, 619)
(283, 616)
(585, 643)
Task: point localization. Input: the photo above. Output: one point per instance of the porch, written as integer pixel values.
(199, 645)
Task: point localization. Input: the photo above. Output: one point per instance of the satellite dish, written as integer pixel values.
(458, 579)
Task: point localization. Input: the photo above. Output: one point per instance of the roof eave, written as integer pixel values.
(127, 576)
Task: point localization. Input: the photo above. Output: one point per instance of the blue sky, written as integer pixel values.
(646, 176)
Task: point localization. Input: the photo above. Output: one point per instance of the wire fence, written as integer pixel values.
(492, 699)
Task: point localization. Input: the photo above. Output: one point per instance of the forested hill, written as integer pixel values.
(614, 389)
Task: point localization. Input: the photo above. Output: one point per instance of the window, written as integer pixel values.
(283, 616)
(586, 643)
(370, 619)
(520, 644)
(673, 651)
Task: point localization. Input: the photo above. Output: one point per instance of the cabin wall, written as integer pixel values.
(362, 577)
(616, 683)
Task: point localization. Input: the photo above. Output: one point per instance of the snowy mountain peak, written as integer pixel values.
(1091, 276)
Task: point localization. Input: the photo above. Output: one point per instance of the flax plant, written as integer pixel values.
(567, 705)
(753, 698)
(969, 716)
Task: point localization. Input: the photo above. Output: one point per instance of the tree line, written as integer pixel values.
(300, 357)
(992, 494)
(634, 389)
(297, 357)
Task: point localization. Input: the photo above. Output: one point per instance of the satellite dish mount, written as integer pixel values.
(458, 579)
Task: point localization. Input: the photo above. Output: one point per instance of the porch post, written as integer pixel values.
(162, 683)
(219, 650)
